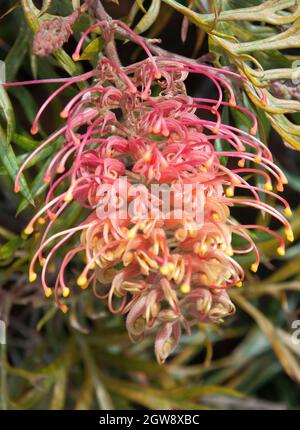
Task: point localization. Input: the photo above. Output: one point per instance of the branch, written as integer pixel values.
(100, 13)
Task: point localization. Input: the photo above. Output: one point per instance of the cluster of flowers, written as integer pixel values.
(137, 122)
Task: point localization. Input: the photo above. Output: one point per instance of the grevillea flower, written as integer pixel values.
(136, 125)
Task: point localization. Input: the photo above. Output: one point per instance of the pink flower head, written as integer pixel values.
(135, 126)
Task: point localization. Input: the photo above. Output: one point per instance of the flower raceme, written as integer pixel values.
(136, 126)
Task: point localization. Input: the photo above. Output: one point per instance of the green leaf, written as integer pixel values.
(284, 354)
(149, 18)
(293, 179)
(25, 142)
(66, 61)
(37, 188)
(59, 390)
(8, 112)
(92, 49)
(31, 13)
(9, 161)
(8, 249)
(188, 393)
(16, 55)
(272, 59)
(86, 394)
(141, 6)
(26, 101)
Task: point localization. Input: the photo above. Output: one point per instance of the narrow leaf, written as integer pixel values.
(9, 161)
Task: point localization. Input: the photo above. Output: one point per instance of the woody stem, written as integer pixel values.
(100, 13)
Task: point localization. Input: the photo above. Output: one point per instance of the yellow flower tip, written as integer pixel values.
(202, 249)
(133, 89)
(68, 197)
(268, 186)
(232, 102)
(185, 288)
(66, 292)
(82, 281)
(147, 155)
(239, 284)
(34, 130)
(48, 292)
(241, 163)
(253, 130)
(52, 216)
(156, 129)
(32, 276)
(75, 57)
(60, 170)
(215, 216)
(279, 187)
(157, 75)
(281, 251)
(288, 212)
(41, 220)
(289, 234)
(203, 278)
(92, 266)
(208, 164)
(142, 226)
(236, 180)
(46, 179)
(229, 192)
(144, 96)
(42, 261)
(229, 251)
(254, 267)
(171, 267)
(28, 230)
(165, 268)
(257, 159)
(221, 246)
(64, 308)
(64, 114)
(131, 234)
